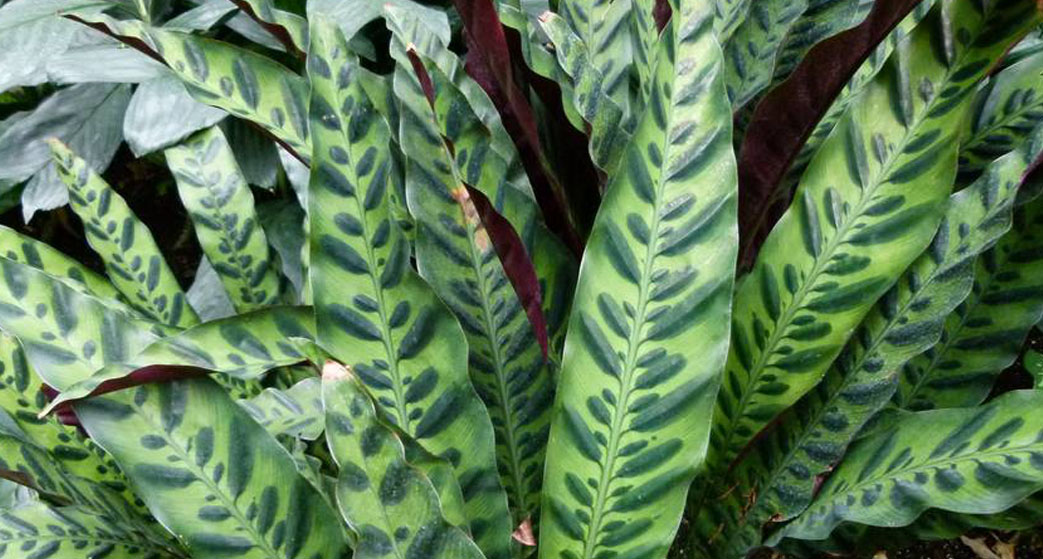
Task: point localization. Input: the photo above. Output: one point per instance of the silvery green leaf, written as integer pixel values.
(283, 223)
(352, 15)
(255, 153)
(162, 113)
(105, 62)
(206, 294)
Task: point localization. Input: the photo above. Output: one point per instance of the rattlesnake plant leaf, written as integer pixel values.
(609, 126)
(242, 347)
(985, 334)
(134, 263)
(750, 52)
(296, 411)
(778, 478)
(36, 530)
(66, 335)
(648, 334)
(972, 460)
(604, 26)
(371, 309)
(210, 474)
(390, 503)
(1007, 108)
(728, 16)
(289, 28)
(22, 397)
(221, 207)
(869, 203)
(647, 19)
(821, 20)
(44, 257)
(456, 256)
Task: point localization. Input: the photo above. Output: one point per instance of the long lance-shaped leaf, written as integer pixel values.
(296, 411)
(484, 163)
(749, 54)
(221, 207)
(985, 334)
(66, 335)
(22, 397)
(135, 264)
(785, 117)
(728, 16)
(822, 20)
(869, 203)
(456, 256)
(390, 503)
(211, 474)
(1007, 109)
(372, 310)
(604, 25)
(972, 460)
(243, 347)
(646, 21)
(36, 530)
(609, 128)
(777, 480)
(648, 335)
(40, 255)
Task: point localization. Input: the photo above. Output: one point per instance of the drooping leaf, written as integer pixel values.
(372, 310)
(869, 203)
(243, 347)
(778, 478)
(32, 34)
(648, 333)
(162, 113)
(389, 502)
(211, 474)
(971, 460)
(986, 332)
(296, 411)
(221, 207)
(87, 117)
(790, 112)
(134, 263)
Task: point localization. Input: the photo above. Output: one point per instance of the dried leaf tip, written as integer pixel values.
(333, 371)
(523, 533)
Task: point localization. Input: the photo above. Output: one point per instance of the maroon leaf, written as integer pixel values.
(277, 31)
(517, 265)
(661, 12)
(782, 122)
(489, 62)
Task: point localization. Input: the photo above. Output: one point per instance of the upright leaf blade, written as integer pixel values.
(390, 503)
(750, 54)
(646, 340)
(372, 310)
(221, 207)
(869, 203)
(134, 262)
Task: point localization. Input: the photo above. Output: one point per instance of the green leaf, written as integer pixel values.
(389, 502)
(104, 61)
(372, 310)
(352, 15)
(973, 460)
(749, 53)
(778, 478)
(40, 531)
(821, 20)
(1033, 362)
(134, 262)
(40, 255)
(868, 205)
(289, 28)
(728, 16)
(243, 347)
(284, 225)
(221, 207)
(605, 27)
(66, 334)
(1005, 110)
(648, 333)
(210, 474)
(296, 411)
(162, 113)
(206, 294)
(986, 333)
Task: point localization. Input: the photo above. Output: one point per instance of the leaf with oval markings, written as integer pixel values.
(295, 411)
(648, 333)
(778, 478)
(820, 21)
(389, 502)
(211, 474)
(868, 205)
(972, 460)
(221, 207)
(985, 334)
(749, 54)
(134, 262)
(242, 347)
(372, 310)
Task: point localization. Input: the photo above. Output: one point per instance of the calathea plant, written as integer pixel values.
(515, 279)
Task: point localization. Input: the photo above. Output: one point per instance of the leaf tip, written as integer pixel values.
(334, 371)
(523, 533)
